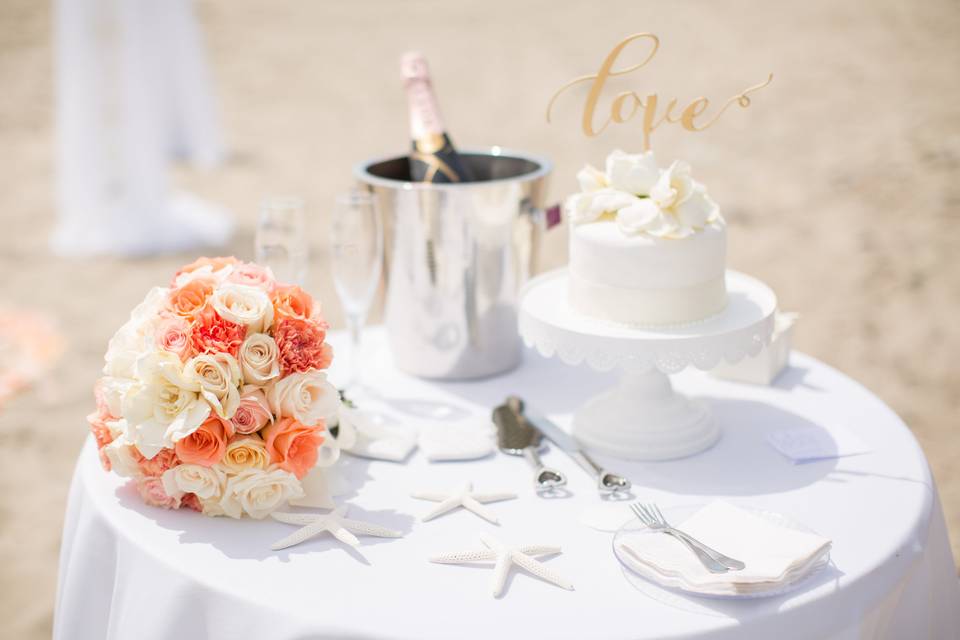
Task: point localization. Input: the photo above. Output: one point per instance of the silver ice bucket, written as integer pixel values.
(456, 256)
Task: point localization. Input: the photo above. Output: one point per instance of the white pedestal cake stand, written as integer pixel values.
(642, 418)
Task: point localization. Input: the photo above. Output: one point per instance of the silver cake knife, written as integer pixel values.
(607, 481)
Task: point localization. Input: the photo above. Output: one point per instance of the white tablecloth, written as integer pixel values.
(131, 571)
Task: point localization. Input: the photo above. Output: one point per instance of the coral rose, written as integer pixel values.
(290, 301)
(301, 346)
(173, 335)
(206, 445)
(190, 299)
(293, 445)
(212, 334)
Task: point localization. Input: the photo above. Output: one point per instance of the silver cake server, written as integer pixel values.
(607, 481)
(516, 437)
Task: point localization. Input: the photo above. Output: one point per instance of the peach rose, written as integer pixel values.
(206, 445)
(212, 334)
(290, 301)
(292, 445)
(253, 412)
(155, 466)
(252, 275)
(152, 492)
(301, 346)
(245, 452)
(173, 335)
(190, 299)
(215, 264)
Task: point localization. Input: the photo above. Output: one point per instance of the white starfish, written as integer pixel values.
(504, 557)
(465, 497)
(313, 524)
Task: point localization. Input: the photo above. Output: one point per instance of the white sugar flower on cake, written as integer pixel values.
(642, 198)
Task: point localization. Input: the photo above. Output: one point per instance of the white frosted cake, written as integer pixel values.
(647, 245)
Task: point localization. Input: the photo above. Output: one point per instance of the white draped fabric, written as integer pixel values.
(132, 571)
(132, 92)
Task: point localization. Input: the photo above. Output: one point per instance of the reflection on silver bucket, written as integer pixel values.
(457, 255)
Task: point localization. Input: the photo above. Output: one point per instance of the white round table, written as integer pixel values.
(132, 571)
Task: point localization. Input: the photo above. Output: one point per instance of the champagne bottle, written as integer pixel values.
(433, 157)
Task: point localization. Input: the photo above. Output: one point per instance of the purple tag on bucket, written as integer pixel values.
(554, 217)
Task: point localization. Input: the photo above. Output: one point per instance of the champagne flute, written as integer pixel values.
(356, 243)
(281, 239)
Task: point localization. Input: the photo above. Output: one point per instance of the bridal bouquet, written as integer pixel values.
(214, 395)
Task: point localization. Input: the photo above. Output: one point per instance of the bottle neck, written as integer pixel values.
(426, 123)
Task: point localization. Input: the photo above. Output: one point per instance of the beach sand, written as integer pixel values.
(840, 183)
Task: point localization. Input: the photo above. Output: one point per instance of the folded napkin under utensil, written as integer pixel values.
(775, 554)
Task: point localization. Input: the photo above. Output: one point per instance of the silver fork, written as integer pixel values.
(714, 561)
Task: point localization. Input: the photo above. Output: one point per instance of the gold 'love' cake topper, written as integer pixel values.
(626, 104)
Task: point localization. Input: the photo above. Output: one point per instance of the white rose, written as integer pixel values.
(257, 492)
(307, 396)
(135, 337)
(218, 378)
(206, 482)
(244, 305)
(114, 390)
(122, 460)
(634, 173)
(258, 359)
(161, 405)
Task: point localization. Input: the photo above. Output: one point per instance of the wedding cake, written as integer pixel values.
(647, 245)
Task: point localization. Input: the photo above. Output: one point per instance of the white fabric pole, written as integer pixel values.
(132, 89)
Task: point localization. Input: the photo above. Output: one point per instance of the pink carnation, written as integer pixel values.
(155, 466)
(301, 346)
(191, 501)
(252, 275)
(103, 407)
(212, 334)
(253, 412)
(152, 492)
(173, 335)
(102, 435)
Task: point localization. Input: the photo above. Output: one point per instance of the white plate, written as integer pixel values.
(642, 580)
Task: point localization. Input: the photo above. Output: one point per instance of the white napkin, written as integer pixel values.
(468, 441)
(809, 444)
(774, 554)
(373, 435)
